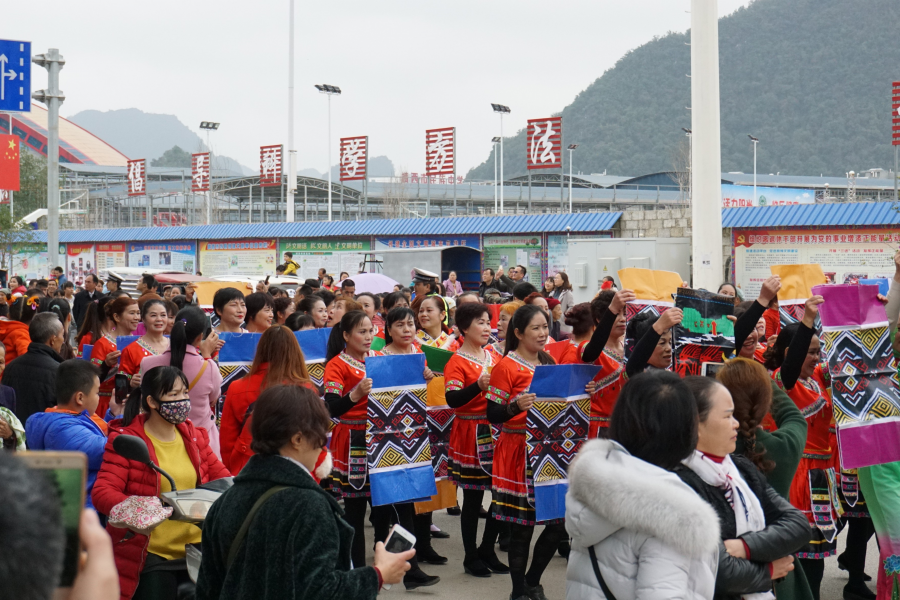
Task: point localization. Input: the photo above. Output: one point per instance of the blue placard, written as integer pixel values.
(86, 351)
(313, 342)
(123, 341)
(884, 286)
(239, 347)
(561, 381)
(396, 371)
(15, 76)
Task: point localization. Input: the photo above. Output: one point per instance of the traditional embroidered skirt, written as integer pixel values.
(812, 492)
(465, 467)
(349, 478)
(511, 490)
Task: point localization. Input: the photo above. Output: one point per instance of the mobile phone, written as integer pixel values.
(710, 369)
(398, 540)
(267, 280)
(122, 387)
(67, 474)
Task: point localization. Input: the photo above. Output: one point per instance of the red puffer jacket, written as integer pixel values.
(120, 478)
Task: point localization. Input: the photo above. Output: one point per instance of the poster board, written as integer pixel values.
(512, 250)
(175, 256)
(332, 255)
(110, 256)
(238, 258)
(80, 261)
(845, 255)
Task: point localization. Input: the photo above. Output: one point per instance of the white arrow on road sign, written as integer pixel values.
(3, 75)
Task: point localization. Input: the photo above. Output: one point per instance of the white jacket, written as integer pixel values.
(655, 539)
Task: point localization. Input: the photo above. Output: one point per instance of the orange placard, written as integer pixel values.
(797, 281)
(647, 284)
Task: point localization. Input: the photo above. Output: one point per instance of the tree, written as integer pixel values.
(32, 193)
(15, 238)
(173, 157)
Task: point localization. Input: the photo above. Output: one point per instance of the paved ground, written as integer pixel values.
(456, 585)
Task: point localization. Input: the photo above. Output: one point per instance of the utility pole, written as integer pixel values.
(292, 164)
(52, 97)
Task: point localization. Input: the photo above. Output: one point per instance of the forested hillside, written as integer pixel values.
(810, 78)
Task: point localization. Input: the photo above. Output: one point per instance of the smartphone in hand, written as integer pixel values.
(67, 474)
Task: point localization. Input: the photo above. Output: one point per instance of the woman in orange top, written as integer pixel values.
(347, 394)
(467, 376)
(506, 313)
(278, 360)
(430, 313)
(508, 403)
(14, 331)
(94, 317)
(795, 359)
(152, 343)
(122, 318)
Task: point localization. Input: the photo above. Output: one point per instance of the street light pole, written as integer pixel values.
(52, 97)
(501, 110)
(329, 90)
(755, 142)
(211, 126)
(495, 141)
(571, 150)
(292, 166)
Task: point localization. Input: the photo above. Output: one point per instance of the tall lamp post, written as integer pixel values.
(292, 153)
(755, 142)
(501, 110)
(52, 97)
(571, 150)
(495, 141)
(329, 90)
(209, 126)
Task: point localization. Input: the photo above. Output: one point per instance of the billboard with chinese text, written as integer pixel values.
(332, 255)
(440, 151)
(175, 256)
(238, 258)
(544, 144)
(354, 158)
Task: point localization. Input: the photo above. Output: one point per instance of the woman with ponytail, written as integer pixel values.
(152, 342)
(190, 353)
(94, 318)
(122, 318)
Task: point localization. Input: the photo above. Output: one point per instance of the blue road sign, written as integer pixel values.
(15, 76)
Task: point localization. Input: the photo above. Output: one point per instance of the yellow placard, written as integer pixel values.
(647, 284)
(207, 289)
(797, 281)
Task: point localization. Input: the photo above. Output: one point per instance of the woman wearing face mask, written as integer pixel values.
(796, 362)
(192, 354)
(346, 395)
(506, 313)
(467, 376)
(654, 340)
(260, 312)
(122, 318)
(760, 530)
(152, 343)
(157, 413)
(508, 403)
(314, 307)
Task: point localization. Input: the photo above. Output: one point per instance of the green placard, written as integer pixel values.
(377, 343)
(436, 358)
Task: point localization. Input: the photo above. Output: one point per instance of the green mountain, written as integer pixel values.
(810, 78)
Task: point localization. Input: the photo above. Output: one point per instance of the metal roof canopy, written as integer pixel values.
(447, 226)
(814, 215)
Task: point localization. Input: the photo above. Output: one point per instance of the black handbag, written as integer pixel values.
(603, 586)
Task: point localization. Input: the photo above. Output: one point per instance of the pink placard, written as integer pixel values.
(850, 306)
(869, 443)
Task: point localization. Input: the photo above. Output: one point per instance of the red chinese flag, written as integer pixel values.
(9, 163)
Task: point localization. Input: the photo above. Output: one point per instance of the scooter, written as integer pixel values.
(190, 506)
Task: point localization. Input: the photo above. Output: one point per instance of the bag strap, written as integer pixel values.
(199, 375)
(248, 520)
(603, 586)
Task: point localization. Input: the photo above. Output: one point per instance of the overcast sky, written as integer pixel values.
(404, 66)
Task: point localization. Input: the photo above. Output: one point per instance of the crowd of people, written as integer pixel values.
(688, 487)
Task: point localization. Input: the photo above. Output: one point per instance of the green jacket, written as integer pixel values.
(298, 547)
(784, 447)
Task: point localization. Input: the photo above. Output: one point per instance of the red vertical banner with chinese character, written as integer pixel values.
(137, 177)
(354, 158)
(200, 172)
(895, 113)
(440, 151)
(544, 148)
(270, 165)
(9, 163)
